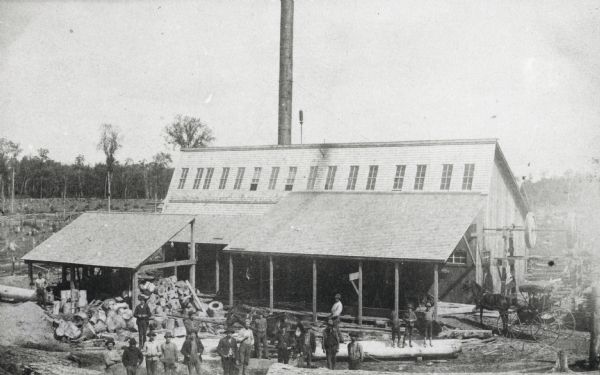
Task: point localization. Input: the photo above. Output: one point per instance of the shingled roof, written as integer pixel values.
(407, 226)
(117, 240)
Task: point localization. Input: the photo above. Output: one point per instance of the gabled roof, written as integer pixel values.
(407, 226)
(117, 240)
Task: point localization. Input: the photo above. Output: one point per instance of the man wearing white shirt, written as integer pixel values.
(336, 312)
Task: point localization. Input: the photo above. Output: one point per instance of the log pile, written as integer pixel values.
(169, 300)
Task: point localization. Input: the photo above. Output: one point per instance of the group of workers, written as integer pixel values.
(235, 352)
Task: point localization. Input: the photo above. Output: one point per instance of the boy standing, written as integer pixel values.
(226, 349)
(428, 323)
(283, 345)
(355, 352)
(409, 320)
(40, 289)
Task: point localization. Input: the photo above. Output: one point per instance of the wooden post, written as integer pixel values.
(594, 306)
(64, 274)
(271, 283)
(314, 290)
(396, 290)
(435, 291)
(360, 292)
(479, 250)
(72, 279)
(230, 280)
(260, 278)
(134, 289)
(217, 281)
(192, 254)
(30, 271)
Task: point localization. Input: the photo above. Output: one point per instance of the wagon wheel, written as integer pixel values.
(547, 328)
(565, 321)
(515, 328)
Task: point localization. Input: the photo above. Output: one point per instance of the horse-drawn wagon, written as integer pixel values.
(538, 314)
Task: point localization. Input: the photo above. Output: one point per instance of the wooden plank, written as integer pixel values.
(192, 256)
(230, 280)
(314, 290)
(148, 267)
(271, 283)
(199, 304)
(360, 292)
(353, 276)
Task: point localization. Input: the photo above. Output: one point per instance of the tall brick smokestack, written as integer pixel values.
(286, 39)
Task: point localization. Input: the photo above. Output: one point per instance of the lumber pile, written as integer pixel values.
(465, 333)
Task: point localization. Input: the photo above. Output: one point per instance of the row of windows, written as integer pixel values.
(467, 181)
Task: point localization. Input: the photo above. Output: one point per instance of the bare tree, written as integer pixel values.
(188, 132)
(79, 164)
(9, 151)
(110, 142)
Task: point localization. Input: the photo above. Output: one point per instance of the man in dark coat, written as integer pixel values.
(227, 349)
(142, 316)
(331, 344)
(192, 350)
(132, 357)
(284, 345)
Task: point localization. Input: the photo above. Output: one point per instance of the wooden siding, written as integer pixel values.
(386, 157)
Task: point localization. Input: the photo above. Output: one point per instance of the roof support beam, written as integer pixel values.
(271, 284)
(230, 280)
(192, 256)
(435, 291)
(314, 290)
(156, 266)
(396, 290)
(360, 292)
(217, 276)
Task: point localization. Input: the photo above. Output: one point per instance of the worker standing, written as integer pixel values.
(355, 352)
(132, 357)
(40, 289)
(169, 355)
(226, 349)
(331, 344)
(246, 345)
(260, 328)
(142, 315)
(428, 316)
(111, 357)
(192, 350)
(336, 312)
(151, 350)
(284, 345)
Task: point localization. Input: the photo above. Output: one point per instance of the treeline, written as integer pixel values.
(41, 177)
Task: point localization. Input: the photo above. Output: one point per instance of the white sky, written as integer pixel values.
(527, 72)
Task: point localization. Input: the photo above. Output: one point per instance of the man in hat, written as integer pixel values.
(355, 352)
(336, 312)
(428, 317)
(142, 315)
(132, 357)
(227, 349)
(40, 289)
(331, 344)
(260, 329)
(111, 357)
(192, 352)
(284, 344)
(306, 344)
(152, 352)
(246, 345)
(168, 355)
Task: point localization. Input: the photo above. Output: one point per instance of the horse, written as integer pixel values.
(490, 301)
